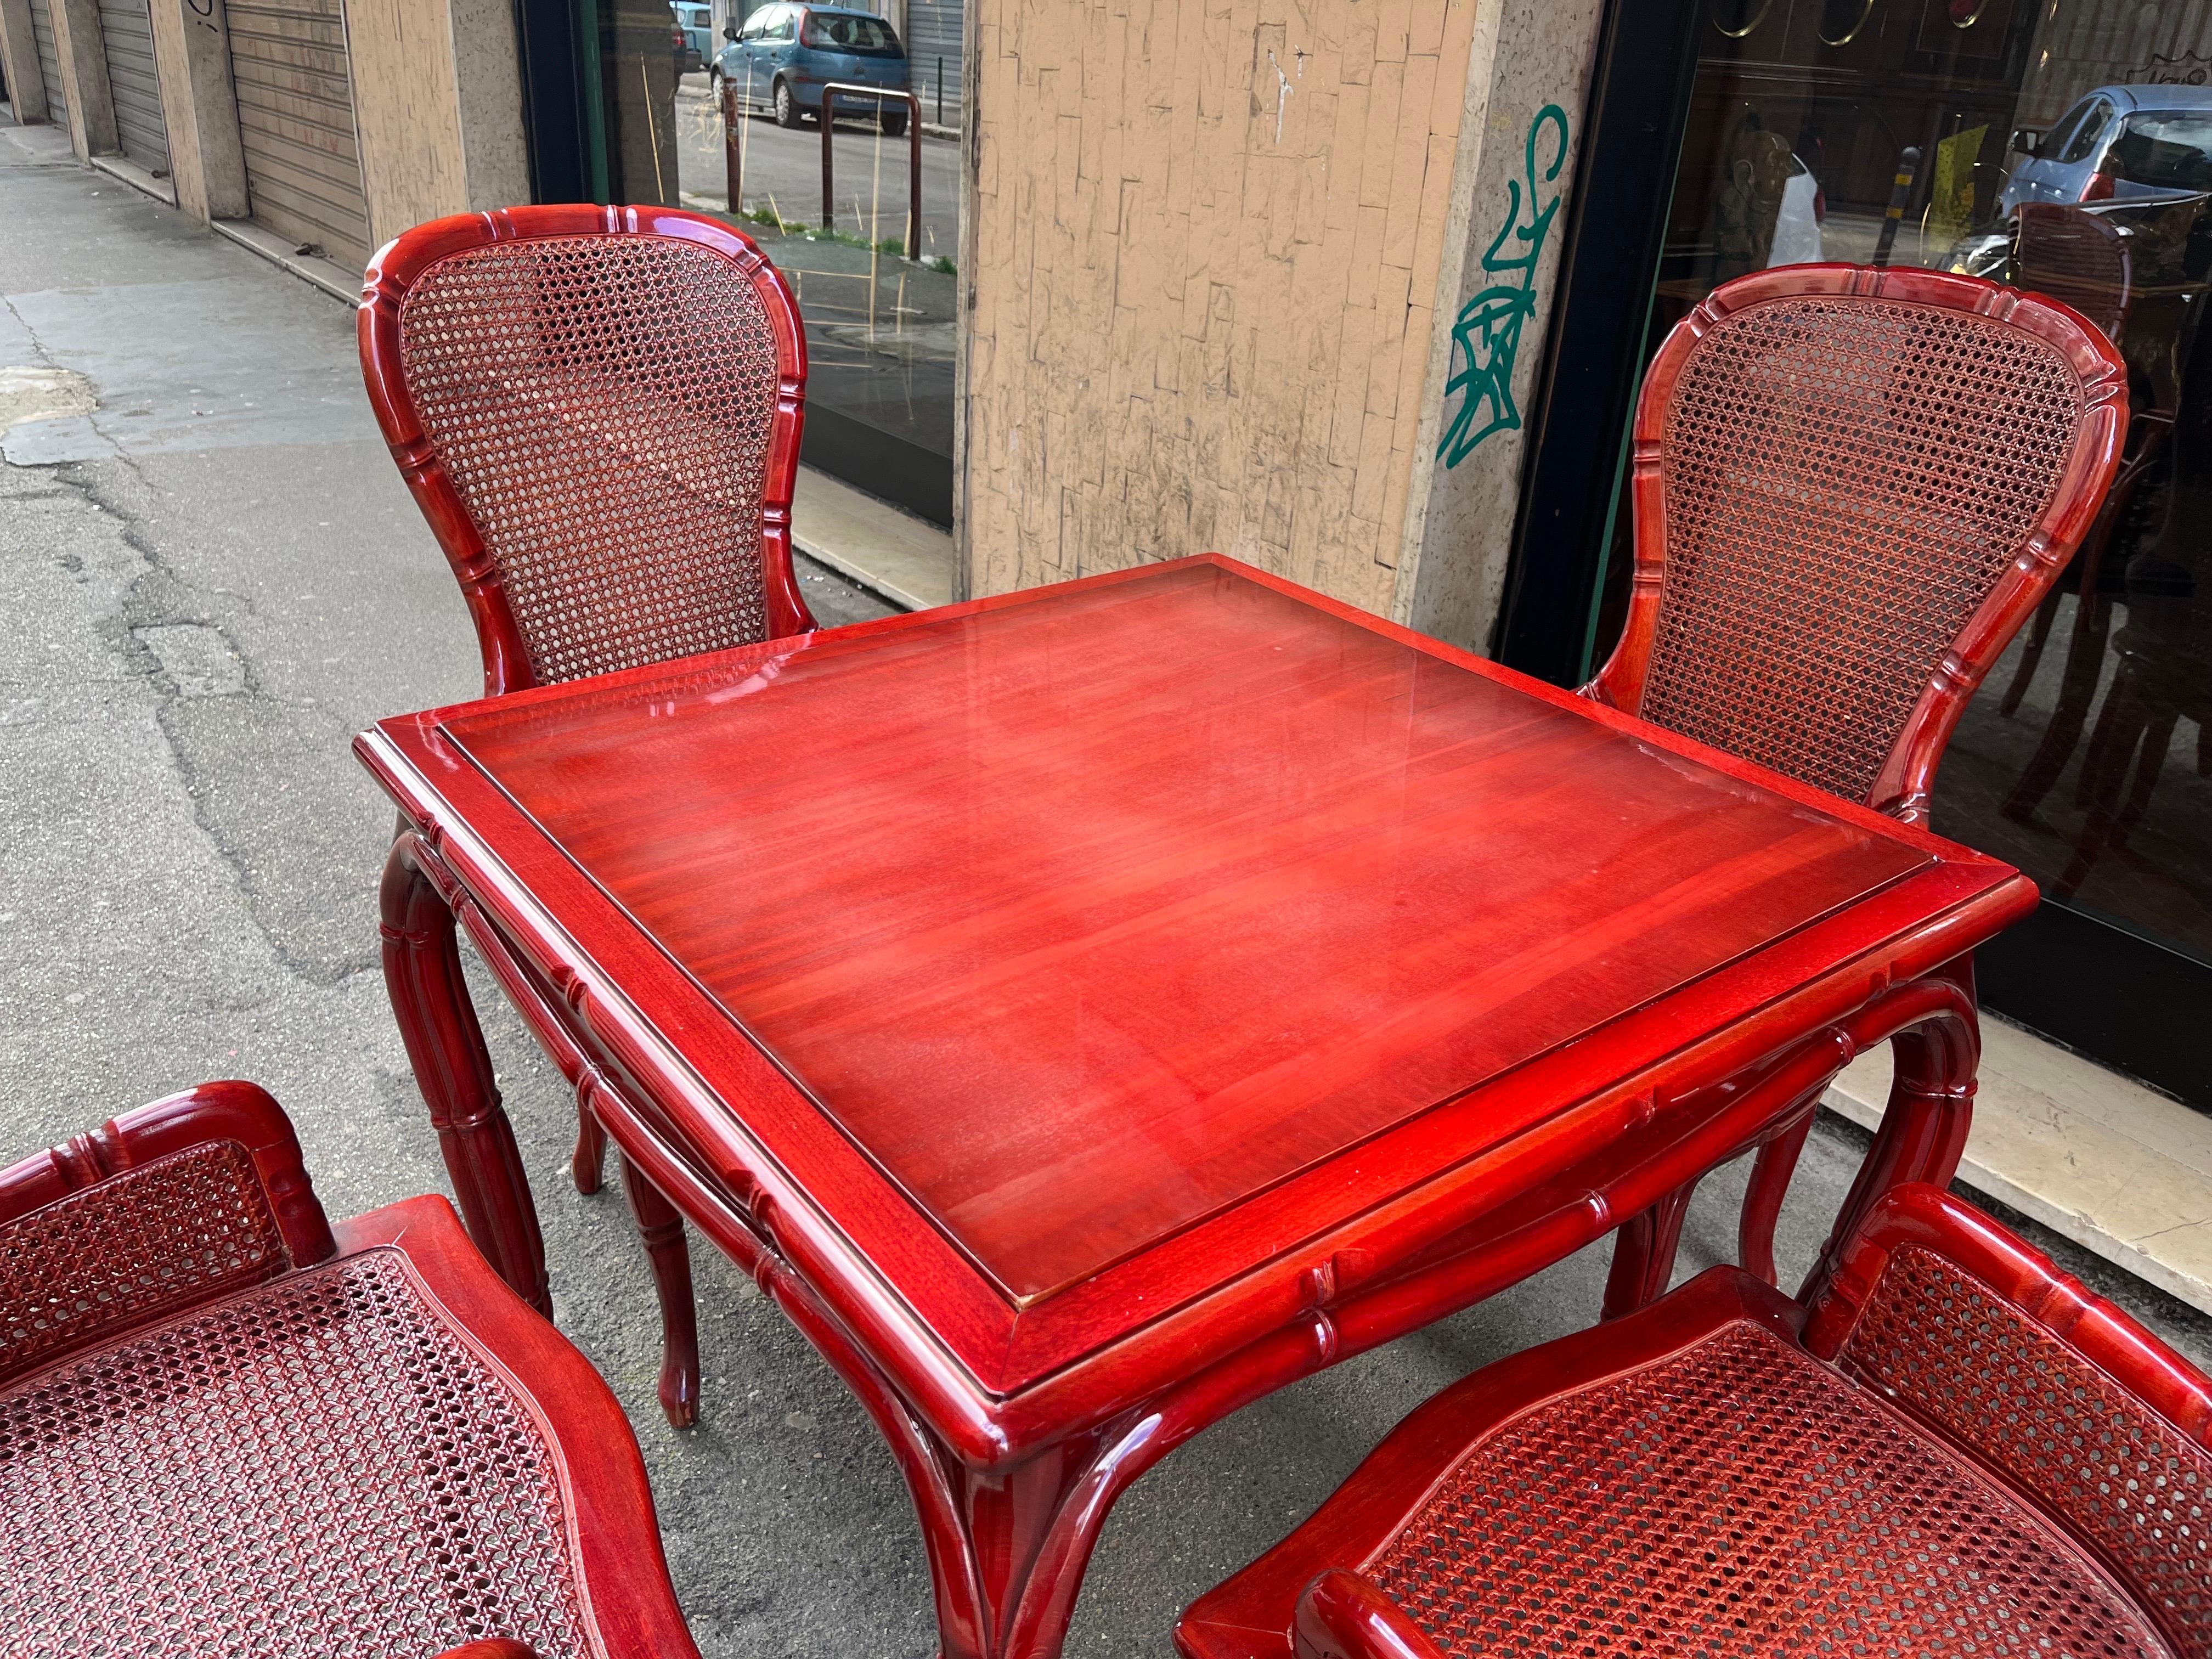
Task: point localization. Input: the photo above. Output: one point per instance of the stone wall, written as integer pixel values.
(1216, 252)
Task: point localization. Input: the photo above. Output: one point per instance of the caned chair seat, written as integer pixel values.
(228, 1428)
(1955, 1452)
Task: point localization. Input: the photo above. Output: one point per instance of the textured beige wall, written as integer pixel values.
(19, 61)
(84, 91)
(1204, 249)
(437, 91)
(192, 53)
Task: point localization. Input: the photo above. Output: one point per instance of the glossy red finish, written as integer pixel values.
(1344, 1616)
(1317, 1595)
(612, 1546)
(1894, 567)
(1103, 1005)
(2101, 424)
(550, 332)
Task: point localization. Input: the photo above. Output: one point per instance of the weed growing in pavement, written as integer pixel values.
(894, 245)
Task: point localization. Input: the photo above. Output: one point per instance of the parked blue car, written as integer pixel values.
(785, 54)
(695, 23)
(2117, 143)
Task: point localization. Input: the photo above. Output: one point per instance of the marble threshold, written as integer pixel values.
(2119, 1169)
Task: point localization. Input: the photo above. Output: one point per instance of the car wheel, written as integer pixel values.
(893, 122)
(787, 107)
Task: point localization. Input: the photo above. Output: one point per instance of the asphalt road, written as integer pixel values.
(784, 167)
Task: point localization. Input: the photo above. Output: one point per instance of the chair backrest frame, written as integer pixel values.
(239, 1115)
(392, 274)
(1903, 785)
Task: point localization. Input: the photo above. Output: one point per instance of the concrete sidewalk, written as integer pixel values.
(213, 577)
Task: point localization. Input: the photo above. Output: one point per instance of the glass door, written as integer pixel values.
(2059, 145)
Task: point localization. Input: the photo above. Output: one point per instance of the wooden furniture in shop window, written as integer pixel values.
(1087, 1009)
(598, 410)
(2157, 675)
(228, 1428)
(2083, 260)
(1951, 1449)
(1851, 488)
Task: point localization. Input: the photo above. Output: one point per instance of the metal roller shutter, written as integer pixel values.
(128, 35)
(933, 36)
(288, 61)
(50, 59)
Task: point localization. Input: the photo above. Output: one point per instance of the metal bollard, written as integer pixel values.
(1908, 165)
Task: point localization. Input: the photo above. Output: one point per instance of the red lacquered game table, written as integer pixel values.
(1088, 1010)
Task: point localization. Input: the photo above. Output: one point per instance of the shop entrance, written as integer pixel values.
(2086, 759)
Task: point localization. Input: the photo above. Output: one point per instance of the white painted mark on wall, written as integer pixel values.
(1283, 88)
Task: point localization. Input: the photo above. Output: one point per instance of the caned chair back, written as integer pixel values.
(598, 410)
(1953, 1318)
(1852, 486)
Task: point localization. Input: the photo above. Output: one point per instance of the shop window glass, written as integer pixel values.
(2084, 138)
(2087, 757)
(880, 325)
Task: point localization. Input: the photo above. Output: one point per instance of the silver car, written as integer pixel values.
(2117, 143)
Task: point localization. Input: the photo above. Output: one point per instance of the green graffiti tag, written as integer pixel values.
(1486, 338)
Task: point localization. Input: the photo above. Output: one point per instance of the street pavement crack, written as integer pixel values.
(173, 641)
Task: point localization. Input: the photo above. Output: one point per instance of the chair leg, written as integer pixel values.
(588, 1162)
(2121, 725)
(2158, 738)
(446, 1047)
(1644, 1254)
(2077, 691)
(2032, 653)
(1762, 1200)
(662, 1228)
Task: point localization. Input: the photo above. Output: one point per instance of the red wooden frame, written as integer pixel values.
(1903, 787)
(1016, 1427)
(1645, 1257)
(1309, 1596)
(622, 1578)
(401, 262)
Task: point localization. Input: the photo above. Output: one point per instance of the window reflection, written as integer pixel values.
(2064, 146)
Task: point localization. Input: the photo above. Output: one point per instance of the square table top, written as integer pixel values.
(1114, 930)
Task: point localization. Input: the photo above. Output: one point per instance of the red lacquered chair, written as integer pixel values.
(1851, 487)
(598, 410)
(1956, 1451)
(229, 1429)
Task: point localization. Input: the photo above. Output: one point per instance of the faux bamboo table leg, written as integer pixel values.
(430, 999)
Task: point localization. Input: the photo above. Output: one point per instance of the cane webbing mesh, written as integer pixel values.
(1740, 1499)
(1845, 482)
(182, 1228)
(316, 1467)
(602, 405)
(2125, 1478)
